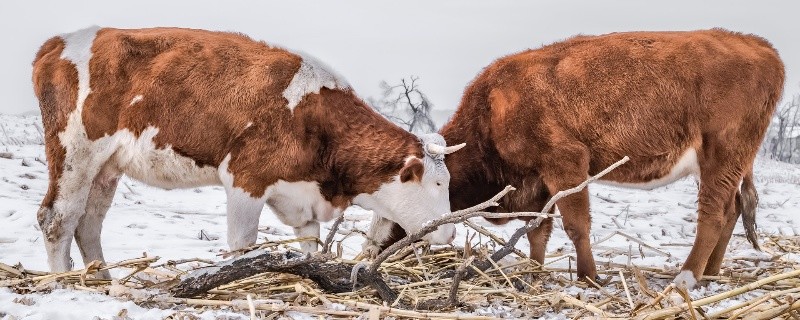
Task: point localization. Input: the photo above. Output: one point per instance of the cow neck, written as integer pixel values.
(361, 149)
(475, 171)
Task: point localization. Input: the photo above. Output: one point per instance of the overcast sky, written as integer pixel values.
(445, 43)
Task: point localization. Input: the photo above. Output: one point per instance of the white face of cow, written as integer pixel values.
(418, 194)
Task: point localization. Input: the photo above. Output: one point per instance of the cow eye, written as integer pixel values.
(438, 183)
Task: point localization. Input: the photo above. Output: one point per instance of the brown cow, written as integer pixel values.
(676, 103)
(178, 108)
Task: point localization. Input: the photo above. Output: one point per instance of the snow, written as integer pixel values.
(164, 223)
(80, 305)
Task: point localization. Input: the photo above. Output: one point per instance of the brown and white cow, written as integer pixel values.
(178, 108)
(676, 103)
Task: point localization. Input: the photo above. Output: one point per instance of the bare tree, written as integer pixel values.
(405, 105)
(783, 137)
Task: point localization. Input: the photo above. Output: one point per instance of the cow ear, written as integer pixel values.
(412, 171)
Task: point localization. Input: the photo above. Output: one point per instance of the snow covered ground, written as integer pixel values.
(190, 223)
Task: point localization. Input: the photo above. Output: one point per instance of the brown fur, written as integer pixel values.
(544, 119)
(201, 89)
(49, 86)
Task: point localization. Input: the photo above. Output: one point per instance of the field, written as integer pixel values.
(635, 233)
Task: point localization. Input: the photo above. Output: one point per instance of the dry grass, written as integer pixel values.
(518, 289)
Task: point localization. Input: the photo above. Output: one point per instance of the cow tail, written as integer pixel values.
(746, 203)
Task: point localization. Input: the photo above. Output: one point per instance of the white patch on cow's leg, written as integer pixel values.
(69, 207)
(90, 226)
(311, 229)
(243, 214)
(68, 210)
(380, 229)
(58, 258)
(58, 230)
(685, 280)
(243, 210)
(312, 76)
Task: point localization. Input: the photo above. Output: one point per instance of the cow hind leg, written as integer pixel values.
(57, 228)
(87, 234)
(61, 211)
(731, 214)
(719, 180)
(744, 205)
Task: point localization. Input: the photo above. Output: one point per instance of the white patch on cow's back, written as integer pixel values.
(686, 165)
(139, 158)
(312, 76)
(136, 99)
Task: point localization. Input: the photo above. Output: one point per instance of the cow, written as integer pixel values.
(182, 108)
(677, 103)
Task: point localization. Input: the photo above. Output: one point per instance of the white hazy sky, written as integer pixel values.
(445, 43)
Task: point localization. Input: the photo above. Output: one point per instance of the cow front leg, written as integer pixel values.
(560, 175)
(538, 238)
(378, 237)
(309, 230)
(243, 214)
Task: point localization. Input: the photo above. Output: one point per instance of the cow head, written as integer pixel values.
(418, 193)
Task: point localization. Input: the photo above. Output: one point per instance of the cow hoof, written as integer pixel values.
(600, 281)
(372, 251)
(369, 251)
(685, 280)
(103, 274)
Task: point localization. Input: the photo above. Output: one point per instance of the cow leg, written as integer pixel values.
(532, 196)
(719, 181)
(58, 221)
(380, 231)
(309, 230)
(744, 203)
(65, 205)
(243, 214)
(243, 209)
(87, 234)
(538, 240)
(731, 215)
(560, 175)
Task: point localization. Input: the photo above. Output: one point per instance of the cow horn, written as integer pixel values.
(441, 150)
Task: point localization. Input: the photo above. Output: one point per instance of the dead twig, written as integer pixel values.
(326, 248)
